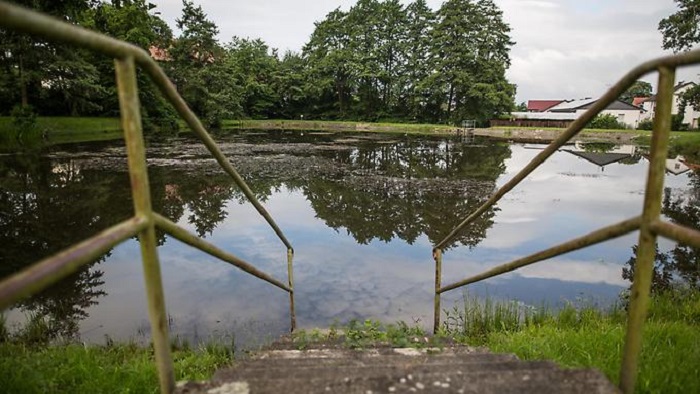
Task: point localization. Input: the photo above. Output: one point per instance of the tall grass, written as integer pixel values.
(586, 336)
(29, 364)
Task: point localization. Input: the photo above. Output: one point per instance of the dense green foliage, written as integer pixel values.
(645, 124)
(680, 30)
(606, 122)
(638, 89)
(377, 60)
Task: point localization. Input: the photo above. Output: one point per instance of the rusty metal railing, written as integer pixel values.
(649, 223)
(143, 224)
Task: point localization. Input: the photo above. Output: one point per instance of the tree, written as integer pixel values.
(471, 45)
(135, 22)
(52, 78)
(606, 122)
(680, 30)
(638, 89)
(199, 70)
(254, 70)
(681, 265)
(293, 86)
(329, 56)
(522, 107)
(418, 66)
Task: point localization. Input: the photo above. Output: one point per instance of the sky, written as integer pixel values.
(565, 49)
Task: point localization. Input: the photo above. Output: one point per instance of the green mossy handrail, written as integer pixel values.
(595, 237)
(52, 269)
(648, 223)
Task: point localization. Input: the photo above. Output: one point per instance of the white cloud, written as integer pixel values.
(576, 271)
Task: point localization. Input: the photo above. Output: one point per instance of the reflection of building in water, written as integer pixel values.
(602, 155)
(676, 166)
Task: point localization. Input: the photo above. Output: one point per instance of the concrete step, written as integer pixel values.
(375, 361)
(244, 372)
(373, 352)
(457, 369)
(504, 382)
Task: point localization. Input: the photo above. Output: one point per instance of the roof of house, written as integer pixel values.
(541, 105)
(638, 101)
(160, 54)
(599, 158)
(680, 85)
(543, 115)
(574, 105)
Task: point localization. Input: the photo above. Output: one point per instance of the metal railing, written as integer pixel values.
(649, 223)
(144, 222)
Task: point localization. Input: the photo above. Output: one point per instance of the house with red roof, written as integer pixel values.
(560, 113)
(541, 105)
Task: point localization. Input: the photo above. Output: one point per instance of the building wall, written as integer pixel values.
(630, 118)
(690, 116)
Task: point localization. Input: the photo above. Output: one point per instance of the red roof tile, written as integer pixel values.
(637, 101)
(541, 105)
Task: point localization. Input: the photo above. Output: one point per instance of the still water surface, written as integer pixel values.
(362, 212)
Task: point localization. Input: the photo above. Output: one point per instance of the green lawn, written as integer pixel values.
(79, 129)
(60, 129)
(588, 337)
(74, 368)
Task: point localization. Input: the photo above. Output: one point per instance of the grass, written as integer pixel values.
(61, 129)
(84, 129)
(32, 362)
(577, 336)
(74, 368)
(332, 125)
(586, 336)
(369, 333)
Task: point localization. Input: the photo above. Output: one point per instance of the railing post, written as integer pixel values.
(646, 250)
(140, 189)
(437, 255)
(290, 275)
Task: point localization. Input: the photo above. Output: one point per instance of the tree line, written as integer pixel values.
(379, 60)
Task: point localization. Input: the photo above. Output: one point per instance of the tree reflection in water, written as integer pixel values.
(680, 265)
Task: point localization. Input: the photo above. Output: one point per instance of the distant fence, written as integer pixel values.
(530, 123)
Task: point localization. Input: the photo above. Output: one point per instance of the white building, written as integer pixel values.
(570, 110)
(690, 117)
(625, 113)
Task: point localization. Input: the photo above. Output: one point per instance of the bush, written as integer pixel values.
(677, 123)
(23, 118)
(606, 121)
(646, 124)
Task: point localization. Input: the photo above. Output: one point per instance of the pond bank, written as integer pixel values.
(82, 129)
(511, 134)
(61, 130)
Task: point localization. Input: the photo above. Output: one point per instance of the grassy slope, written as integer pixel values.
(588, 337)
(97, 369)
(72, 129)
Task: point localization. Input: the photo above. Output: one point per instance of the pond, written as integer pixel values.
(362, 211)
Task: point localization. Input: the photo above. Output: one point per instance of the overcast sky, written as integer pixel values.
(564, 48)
